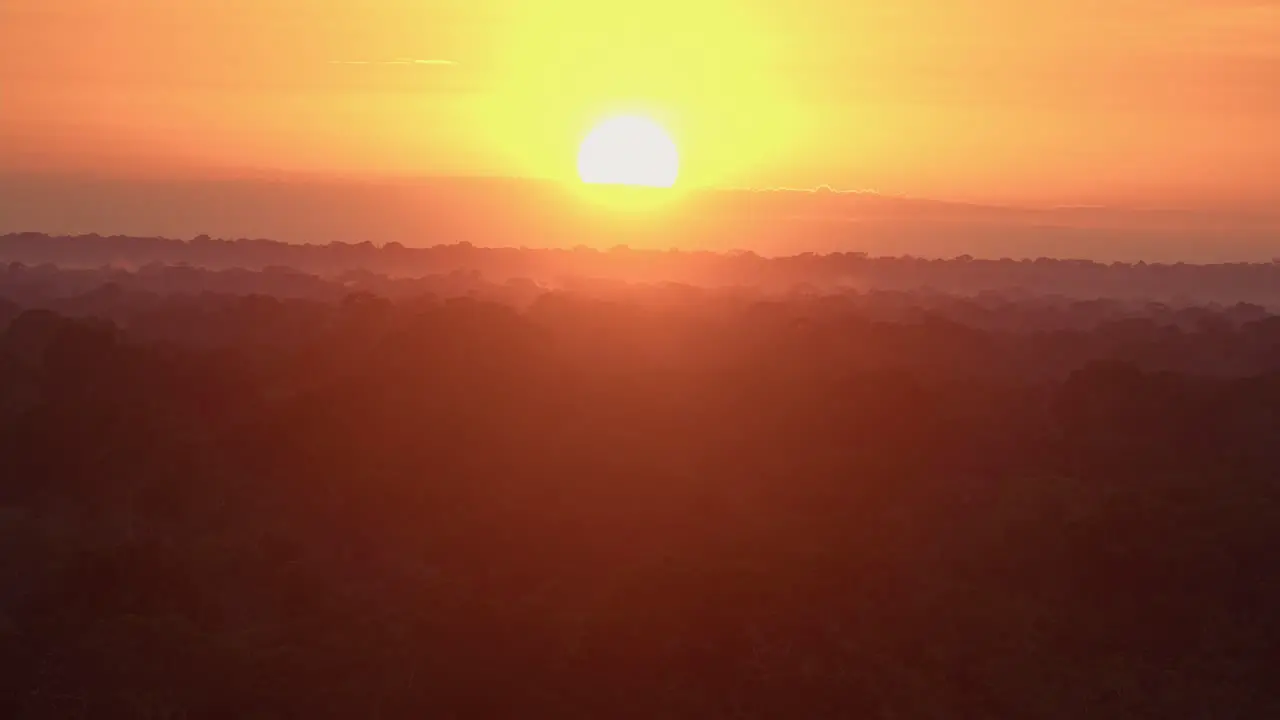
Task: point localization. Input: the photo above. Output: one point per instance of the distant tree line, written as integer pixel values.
(1180, 283)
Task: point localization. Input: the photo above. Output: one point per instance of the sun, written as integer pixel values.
(629, 150)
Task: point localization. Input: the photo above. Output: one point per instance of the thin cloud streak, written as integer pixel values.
(397, 61)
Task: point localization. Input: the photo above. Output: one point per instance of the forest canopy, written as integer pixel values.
(233, 488)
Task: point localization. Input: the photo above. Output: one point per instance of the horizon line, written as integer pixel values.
(263, 173)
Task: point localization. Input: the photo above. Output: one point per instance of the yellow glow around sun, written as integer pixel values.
(706, 71)
(629, 150)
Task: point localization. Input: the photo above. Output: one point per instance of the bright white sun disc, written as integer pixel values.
(629, 150)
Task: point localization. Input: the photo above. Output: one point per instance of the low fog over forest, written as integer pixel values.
(255, 479)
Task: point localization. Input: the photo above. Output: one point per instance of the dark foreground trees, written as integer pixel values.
(278, 510)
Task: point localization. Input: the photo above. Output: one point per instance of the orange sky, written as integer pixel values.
(1055, 100)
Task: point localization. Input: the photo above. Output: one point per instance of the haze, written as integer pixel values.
(670, 359)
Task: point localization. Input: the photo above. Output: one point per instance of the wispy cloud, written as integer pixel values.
(397, 61)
